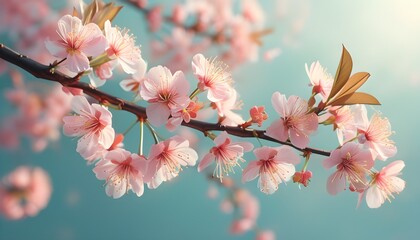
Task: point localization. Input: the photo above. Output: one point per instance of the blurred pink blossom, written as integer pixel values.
(155, 18)
(24, 192)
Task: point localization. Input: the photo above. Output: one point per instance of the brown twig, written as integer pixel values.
(44, 72)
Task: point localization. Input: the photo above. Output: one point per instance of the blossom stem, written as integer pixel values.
(99, 60)
(256, 136)
(58, 63)
(210, 135)
(141, 137)
(154, 134)
(306, 162)
(195, 93)
(130, 127)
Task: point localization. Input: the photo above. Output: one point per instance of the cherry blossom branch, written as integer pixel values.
(47, 72)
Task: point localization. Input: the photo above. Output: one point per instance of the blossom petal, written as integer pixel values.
(298, 139)
(251, 172)
(374, 197)
(205, 162)
(336, 183)
(279, 102)
(278, 130)
(77, 62)
(158, 113)
(394, 168)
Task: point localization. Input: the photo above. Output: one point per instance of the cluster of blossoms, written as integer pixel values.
(199, 24)
(241, 201)
(123, 170)
(362, 141)
(87, 47)
(27, 25)
(38, 116)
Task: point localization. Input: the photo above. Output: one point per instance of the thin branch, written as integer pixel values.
(44, 72)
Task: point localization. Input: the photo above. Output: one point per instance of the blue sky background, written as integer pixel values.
(382, 37)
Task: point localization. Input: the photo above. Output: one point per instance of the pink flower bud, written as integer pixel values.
(258, 115)
(303, 177)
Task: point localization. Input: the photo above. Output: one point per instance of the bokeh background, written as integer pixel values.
(383, 37)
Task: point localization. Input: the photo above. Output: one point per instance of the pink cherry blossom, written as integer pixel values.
(184, 114)
(100, 74)
(384, 184)
(123, 171)
(273, 166)
(213, 77)
(375, 134)
(77, 43)
(100, 152)
(225, 110)
(295, 122)
(226, 154)
(321, 80)
(167, 158)
(122, 48)
(353, 163)
(342, 119)
(164, 92)
(24, 192)
(93, 123)
(133, 84)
